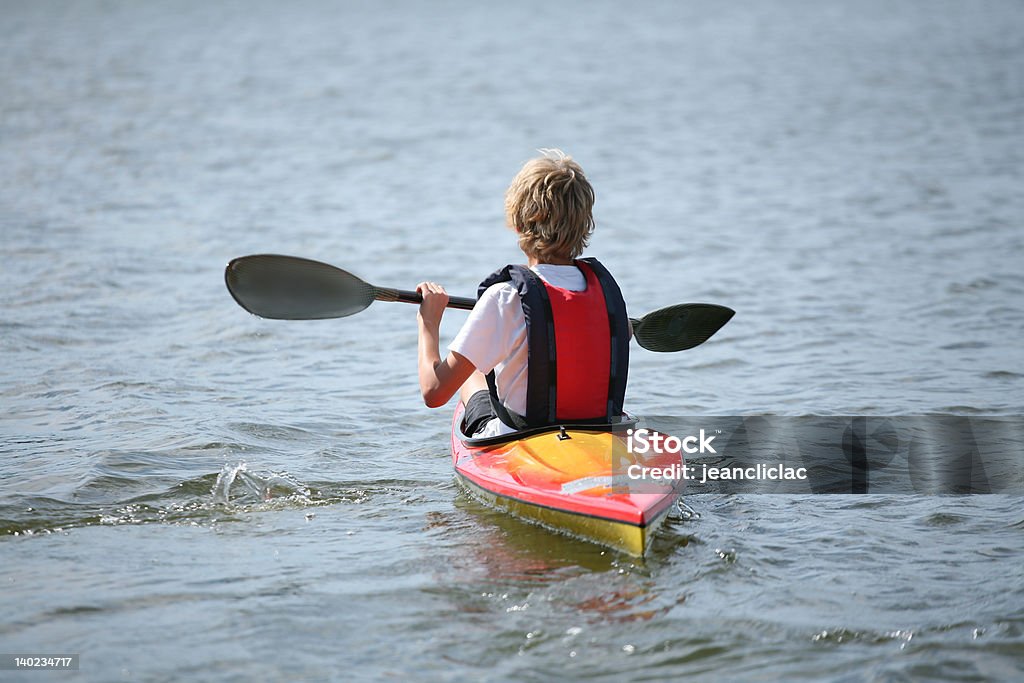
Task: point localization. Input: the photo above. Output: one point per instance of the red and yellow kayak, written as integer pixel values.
(571, 479)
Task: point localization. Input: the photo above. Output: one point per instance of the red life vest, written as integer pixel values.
(578, 348)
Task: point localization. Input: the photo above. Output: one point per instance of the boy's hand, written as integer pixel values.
(435, 299)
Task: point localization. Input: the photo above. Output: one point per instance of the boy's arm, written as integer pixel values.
(439, 379)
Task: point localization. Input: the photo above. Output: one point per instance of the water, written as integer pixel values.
(190, 492)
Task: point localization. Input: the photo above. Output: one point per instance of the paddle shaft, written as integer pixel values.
(408, 297)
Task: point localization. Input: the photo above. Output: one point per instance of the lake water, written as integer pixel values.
(189, 492)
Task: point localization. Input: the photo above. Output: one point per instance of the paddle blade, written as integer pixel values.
(680, 327)
(293, 288)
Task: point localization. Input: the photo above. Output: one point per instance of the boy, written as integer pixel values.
(543, 344)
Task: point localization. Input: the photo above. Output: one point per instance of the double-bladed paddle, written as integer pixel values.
(293, 288)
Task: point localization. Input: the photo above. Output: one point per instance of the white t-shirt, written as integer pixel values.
(494, 338)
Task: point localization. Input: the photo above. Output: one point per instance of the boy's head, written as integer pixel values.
(550, 205)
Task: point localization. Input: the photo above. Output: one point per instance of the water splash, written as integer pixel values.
(236, 484)
(684, 511)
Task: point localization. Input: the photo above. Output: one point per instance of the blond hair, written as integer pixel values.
(550, 205)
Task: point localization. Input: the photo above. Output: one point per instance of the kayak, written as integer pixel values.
(571, 479)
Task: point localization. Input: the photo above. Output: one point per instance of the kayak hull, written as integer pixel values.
(571, 480)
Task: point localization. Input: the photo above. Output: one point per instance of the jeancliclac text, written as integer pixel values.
(759, 472)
